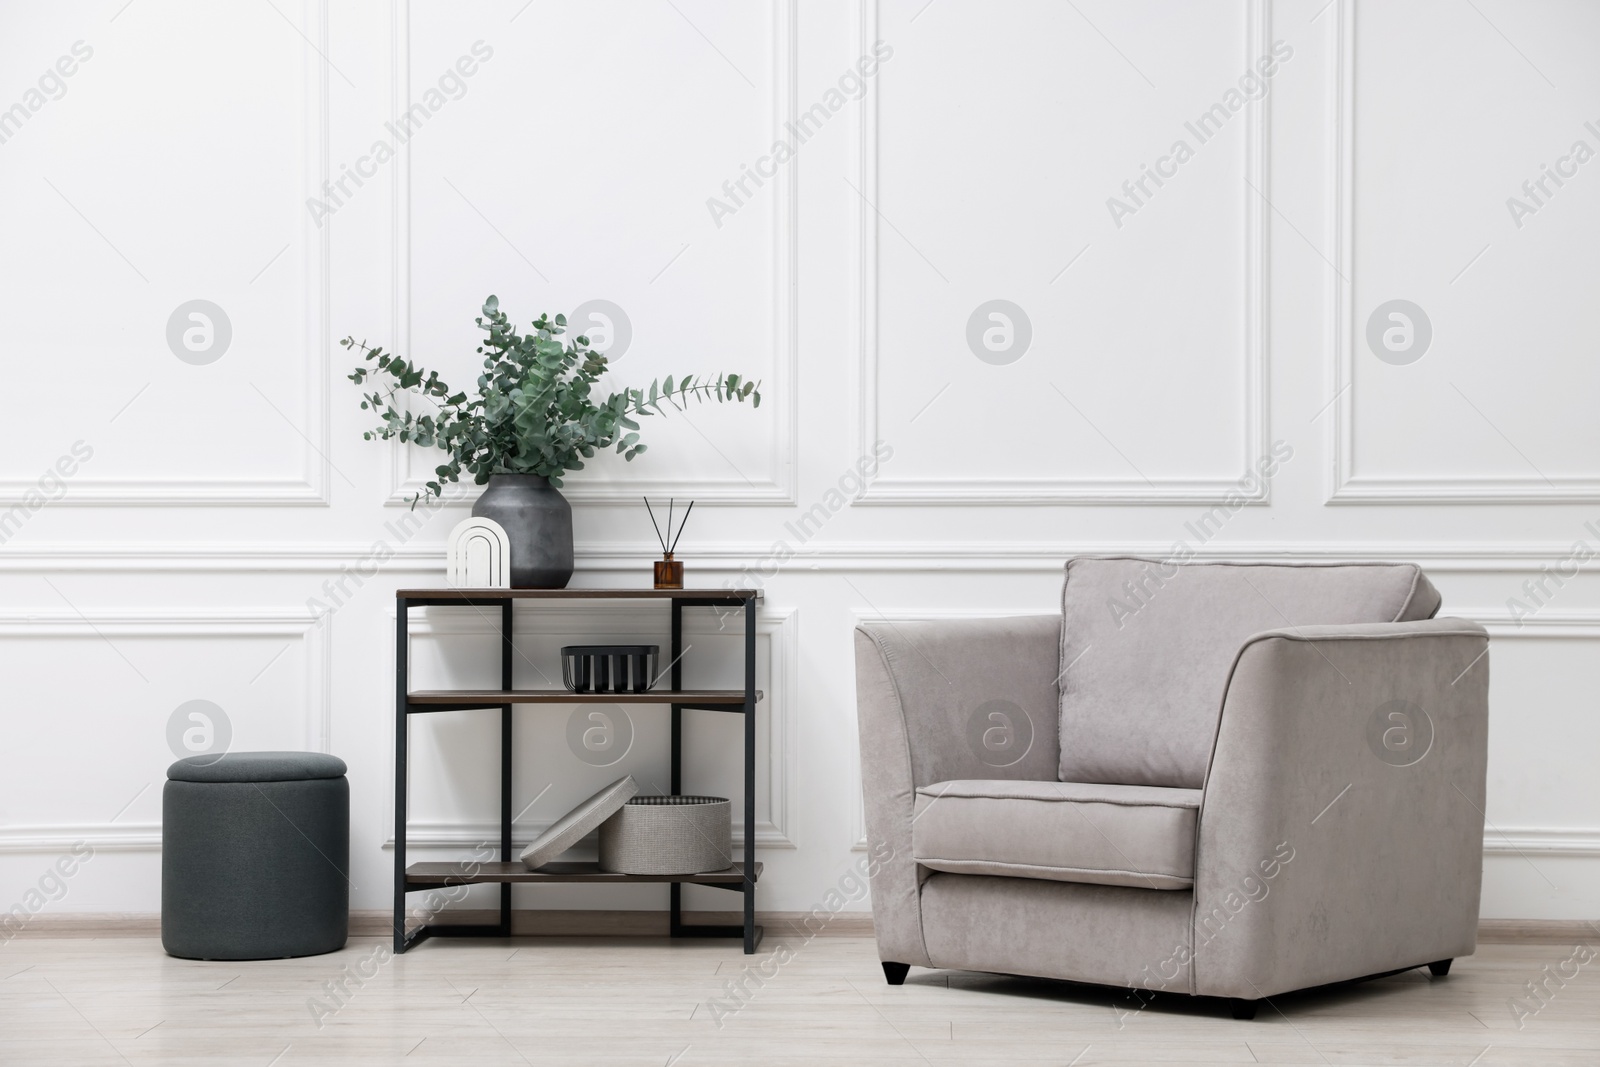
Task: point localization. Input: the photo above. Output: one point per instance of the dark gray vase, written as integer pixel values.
(538, 521)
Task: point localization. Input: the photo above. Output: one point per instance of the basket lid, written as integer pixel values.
(571, 827)
(677, 800)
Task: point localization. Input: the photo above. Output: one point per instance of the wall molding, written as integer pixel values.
(734, 558)
(204, 623)
(1041, 491)
(1541, 840)
(1345, 485)
(1527, 840)
(1581, 623)
(371, 922)
(61, 837)
(777, 627)
(1549, 841)
(312, 489)
(782, 489)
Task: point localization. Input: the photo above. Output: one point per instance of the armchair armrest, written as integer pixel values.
(943, 700)
(1341, 831)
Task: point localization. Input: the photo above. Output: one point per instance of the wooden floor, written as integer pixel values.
(89, 1001)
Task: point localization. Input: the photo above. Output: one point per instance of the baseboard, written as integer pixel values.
(1533, 931)
(81, 924)
(524, 923)
(554, 923)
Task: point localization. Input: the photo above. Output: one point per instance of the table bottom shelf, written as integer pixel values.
(433, 875)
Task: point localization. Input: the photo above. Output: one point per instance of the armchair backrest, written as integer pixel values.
(1146, 645)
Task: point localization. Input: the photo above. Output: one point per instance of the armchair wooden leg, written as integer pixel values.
(1440, 968)
(895, 972)
(1243, 1009)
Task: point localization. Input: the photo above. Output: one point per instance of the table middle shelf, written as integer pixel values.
(496, 697)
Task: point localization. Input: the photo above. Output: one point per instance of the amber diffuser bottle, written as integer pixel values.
(669, 571)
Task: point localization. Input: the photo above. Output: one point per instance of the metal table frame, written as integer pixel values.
(505, 600)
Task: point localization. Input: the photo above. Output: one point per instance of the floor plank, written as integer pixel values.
(121, 1000)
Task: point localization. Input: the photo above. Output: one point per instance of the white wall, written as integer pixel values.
(1173, 341)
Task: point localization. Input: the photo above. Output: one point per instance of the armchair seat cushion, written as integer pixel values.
(1130, 835)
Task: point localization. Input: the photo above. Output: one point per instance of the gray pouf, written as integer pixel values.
(255, 856)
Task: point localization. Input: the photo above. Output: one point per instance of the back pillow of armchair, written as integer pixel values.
(1146, 646)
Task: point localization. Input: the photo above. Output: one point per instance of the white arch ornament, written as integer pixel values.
(479, 555)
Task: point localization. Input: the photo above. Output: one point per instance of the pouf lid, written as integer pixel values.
(257, 767)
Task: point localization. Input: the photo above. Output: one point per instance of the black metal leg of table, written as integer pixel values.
(676, 670)
(675, 667)
(401, 688)
(507, 650)
(751, 937)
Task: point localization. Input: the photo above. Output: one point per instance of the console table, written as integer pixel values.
(740, 878)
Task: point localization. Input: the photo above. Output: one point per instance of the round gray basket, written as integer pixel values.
(668, 835)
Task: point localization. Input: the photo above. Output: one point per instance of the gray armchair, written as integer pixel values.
(1217, 779)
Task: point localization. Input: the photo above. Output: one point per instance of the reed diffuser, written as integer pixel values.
(669, 571)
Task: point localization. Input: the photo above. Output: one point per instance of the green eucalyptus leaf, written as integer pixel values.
(535, 409)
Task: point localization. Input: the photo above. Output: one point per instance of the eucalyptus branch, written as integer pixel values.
(534, 412)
